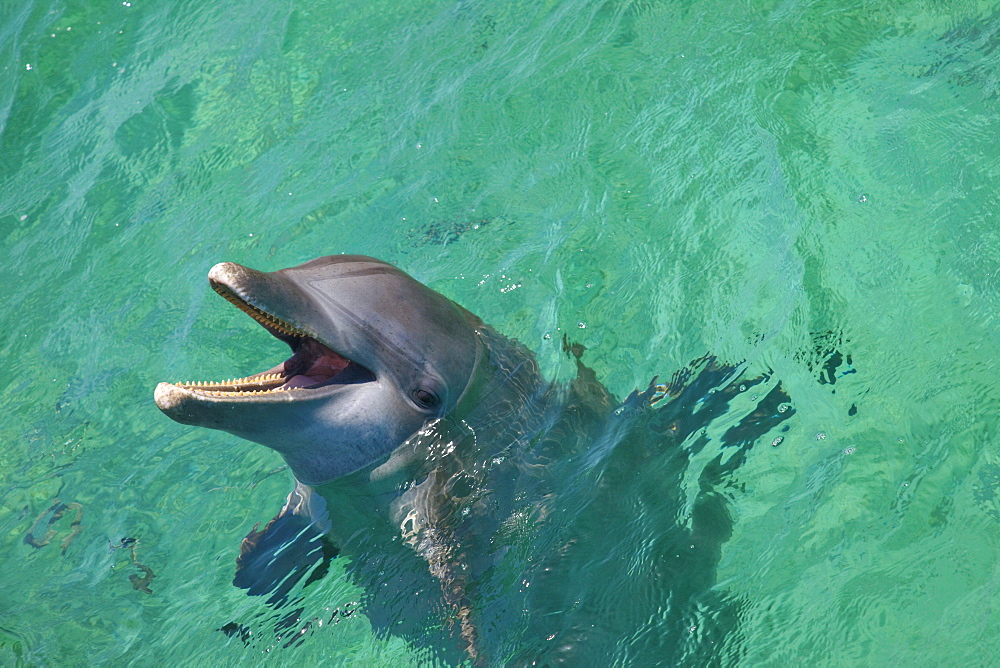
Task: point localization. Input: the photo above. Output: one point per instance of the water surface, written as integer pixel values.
(808, 186)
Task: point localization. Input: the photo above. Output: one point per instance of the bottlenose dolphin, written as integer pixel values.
(474, 498)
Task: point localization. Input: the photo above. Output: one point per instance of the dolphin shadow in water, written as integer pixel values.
(491, 516)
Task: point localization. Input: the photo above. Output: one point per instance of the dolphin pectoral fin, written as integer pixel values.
(292, 545)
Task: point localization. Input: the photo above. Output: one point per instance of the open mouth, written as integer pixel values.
(312, 366)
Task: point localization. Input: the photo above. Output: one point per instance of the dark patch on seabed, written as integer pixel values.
(827, 356)
(444, 232)
(984, 491)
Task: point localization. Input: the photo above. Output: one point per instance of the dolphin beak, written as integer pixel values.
(170, 399)
(313, 371)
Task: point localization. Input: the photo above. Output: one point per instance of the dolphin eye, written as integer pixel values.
(425, 398)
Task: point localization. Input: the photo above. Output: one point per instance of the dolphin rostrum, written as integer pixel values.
(429, 449)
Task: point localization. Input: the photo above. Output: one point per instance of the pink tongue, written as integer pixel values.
(300, 381)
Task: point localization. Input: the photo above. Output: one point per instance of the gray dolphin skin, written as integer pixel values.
(406, 356)
(474, 500)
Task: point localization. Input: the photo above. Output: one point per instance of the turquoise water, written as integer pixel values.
(793, 184)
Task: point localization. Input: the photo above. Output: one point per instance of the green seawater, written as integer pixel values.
(810, 186)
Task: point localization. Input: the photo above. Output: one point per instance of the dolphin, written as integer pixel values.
(429, 449)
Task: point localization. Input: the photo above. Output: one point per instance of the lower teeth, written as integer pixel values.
(215, 388)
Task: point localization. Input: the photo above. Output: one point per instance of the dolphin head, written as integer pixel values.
(375, 356)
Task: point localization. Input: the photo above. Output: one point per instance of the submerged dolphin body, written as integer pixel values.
(481, 505)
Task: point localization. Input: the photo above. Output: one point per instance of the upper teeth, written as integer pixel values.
(260, 315)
